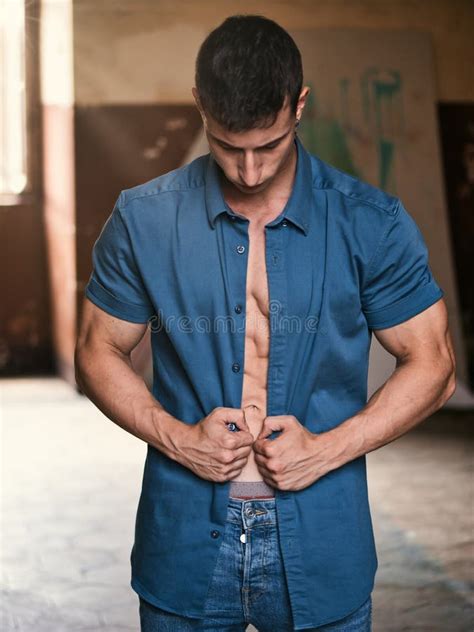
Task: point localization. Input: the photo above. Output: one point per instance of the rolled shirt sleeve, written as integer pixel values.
(399, 281)
(115, 284)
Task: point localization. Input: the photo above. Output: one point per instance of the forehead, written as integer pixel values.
(254, 137)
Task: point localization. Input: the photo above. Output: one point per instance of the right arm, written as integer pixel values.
(104, 373)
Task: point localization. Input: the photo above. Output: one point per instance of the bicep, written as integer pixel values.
(100, 329)
(425, 336)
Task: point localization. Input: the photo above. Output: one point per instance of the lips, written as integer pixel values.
(254, 186)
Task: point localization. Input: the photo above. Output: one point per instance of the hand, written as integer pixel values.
(288, 462)
(211, 450)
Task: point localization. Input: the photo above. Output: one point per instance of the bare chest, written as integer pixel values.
(256, 285)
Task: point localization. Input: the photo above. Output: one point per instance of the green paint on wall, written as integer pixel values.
(379, 91)
(325, 137)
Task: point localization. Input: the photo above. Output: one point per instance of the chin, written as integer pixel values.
(257, 187)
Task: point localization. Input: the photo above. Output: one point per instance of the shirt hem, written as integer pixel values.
(306, 626)
(125, 311)
(405, 309)
(142, 592)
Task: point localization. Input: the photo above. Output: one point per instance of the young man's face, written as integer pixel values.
(251, 160)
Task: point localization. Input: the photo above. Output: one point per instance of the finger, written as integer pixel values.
(236, 468)
(241, 453)
(261, 461)
(245, 439)
(243, 450)
(238, 463)
(271, 424)
(264, 433)
(269, 481)
(235, 415)
(264, 471)
(238, 439)
(261, 446)
(235, 440)
(267, 428)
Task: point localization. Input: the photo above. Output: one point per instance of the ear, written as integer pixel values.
(198, 104)
(302, 102)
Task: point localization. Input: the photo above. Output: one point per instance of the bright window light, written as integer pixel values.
(13, 176)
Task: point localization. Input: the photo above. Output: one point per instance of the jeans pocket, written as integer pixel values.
(223, 593)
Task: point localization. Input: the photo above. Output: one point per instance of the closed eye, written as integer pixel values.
(265, 148)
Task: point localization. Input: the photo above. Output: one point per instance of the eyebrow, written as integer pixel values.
(270, 142)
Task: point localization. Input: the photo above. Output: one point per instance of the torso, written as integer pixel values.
(257, 340)
(257, 327)
(257, 332)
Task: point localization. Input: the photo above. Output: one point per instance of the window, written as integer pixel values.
(13, 141)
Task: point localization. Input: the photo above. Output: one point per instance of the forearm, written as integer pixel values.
(109, 381)
(414, 391)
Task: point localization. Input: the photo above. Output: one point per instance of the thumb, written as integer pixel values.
(271, 424)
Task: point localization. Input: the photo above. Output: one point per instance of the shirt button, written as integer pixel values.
(284, 223)
(215, 534)
(236, 367)
(238, 309)
(240, 249)
(233, 218)
(250, 512)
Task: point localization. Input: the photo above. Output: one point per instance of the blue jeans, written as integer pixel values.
(248, 583)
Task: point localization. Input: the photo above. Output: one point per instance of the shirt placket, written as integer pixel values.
(276, 253)
(235, 246)
(277, 307)
(239, 251)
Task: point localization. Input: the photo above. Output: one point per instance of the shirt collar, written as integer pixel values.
(298, 207)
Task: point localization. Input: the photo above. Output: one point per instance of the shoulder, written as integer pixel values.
(349, 192)
(189, 177)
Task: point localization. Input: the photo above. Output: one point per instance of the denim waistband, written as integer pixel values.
(252, 513)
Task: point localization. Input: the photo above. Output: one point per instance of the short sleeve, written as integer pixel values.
(399, 282)
(115, 284)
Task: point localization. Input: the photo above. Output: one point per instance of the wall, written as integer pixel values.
(59, 209)
(25, 332)
(140, 35)
(134, 54)
(142, 51)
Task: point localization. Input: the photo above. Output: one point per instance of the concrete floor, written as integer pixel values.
(70, 486)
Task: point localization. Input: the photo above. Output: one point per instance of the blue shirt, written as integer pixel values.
(343, 258)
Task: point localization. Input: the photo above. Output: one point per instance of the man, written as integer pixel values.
(262, 272)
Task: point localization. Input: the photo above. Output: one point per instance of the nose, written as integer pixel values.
(250, 169)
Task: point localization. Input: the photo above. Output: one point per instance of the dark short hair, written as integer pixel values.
(245, 69)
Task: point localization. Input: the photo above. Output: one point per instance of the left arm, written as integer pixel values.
(422, 382)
